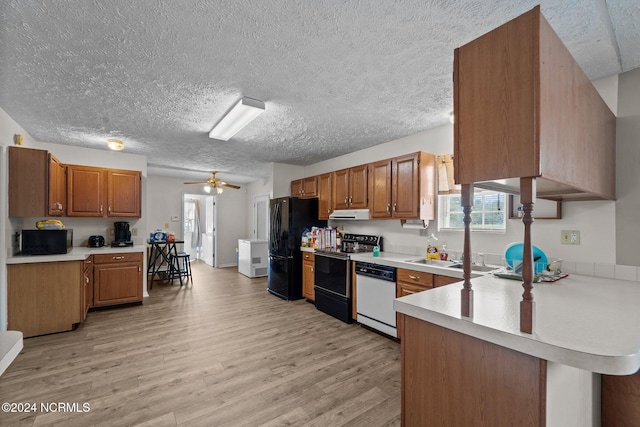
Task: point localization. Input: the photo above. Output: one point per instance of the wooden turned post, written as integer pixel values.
(527, 305)
(467, 292)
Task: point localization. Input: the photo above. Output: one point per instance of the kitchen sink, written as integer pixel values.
(474, 267)
(434, 262)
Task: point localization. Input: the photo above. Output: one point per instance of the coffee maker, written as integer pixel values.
(121, 234)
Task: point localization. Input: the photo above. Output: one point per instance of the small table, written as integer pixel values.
(160, 260)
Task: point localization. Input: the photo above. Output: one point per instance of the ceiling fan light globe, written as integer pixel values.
(207, 188)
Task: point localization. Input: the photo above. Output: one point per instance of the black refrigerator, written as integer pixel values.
(289, 217)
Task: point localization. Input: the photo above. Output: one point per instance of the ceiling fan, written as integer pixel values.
(214, 183)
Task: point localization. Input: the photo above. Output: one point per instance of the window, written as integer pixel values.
(488, 211)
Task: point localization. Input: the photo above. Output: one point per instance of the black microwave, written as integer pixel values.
(46, 242)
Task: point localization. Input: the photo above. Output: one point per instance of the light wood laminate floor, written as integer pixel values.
(221, 352)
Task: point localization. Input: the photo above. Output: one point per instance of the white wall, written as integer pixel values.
(628, 170)
(164, 199)
(256, 188)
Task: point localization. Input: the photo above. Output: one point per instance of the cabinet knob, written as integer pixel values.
(388, 208)
(395, 207)
(118, 257)
(101, 209)
(345, 200)
(411, 276)
(109, 209)
(86, 279)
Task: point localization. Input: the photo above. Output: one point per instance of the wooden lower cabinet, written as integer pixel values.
(44, 297)
(409, 282)
(308, 263)
(439, 280)
(620, 396)
(117, 278)
(87, 286)
(452, 379)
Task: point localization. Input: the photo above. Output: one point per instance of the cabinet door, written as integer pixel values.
(359, 187)
(88, 286)
(85, 191)
(123, 193)
(117, 283)
(308, 276)
(380, 188)
(324, 196)
(57, 187)
(28, 182)
(406, 188)
(341, 189)
(310, 186)
(296, 188)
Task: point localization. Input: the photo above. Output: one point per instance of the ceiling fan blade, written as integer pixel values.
(197, 182)
(230, 185)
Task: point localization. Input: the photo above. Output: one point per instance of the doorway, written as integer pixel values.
(192, 225)
(261, 216)
(199, 227)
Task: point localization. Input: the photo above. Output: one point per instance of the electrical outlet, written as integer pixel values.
(570, 237)
(134, 231)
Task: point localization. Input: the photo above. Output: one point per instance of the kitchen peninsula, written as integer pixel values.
(52, 293)
(494, 374)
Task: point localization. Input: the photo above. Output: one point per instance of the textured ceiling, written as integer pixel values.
(336, 76)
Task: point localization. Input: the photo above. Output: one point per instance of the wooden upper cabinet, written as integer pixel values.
(297, 188)
(524, 108)
(86, 190)
(36, 183)
(123, 193)
(380, 188)
(99, 192)
(341, 189)
(359, 187)
(57, 205)
(350, 188)
(404, 187)
(305, 188)
(325, 192)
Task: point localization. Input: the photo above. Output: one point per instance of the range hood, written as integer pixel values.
(350, 214)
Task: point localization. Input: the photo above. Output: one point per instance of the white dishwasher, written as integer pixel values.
(375, 292)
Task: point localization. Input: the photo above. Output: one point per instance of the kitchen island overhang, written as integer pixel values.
(590, 323)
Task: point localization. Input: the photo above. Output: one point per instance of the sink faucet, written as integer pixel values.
(481, 256)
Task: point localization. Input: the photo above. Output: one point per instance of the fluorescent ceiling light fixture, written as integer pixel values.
(238, 117)
(115, 144)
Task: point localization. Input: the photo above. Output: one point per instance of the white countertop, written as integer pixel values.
(399, 260)
(76, 254)
(586, 322)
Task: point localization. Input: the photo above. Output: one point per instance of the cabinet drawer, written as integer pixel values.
(117, 257)
(415, 277)
(308, 256)
(445, 280)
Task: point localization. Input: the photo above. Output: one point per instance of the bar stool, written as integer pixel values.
(182, 264)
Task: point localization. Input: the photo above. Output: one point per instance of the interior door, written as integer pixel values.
(209, 236)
